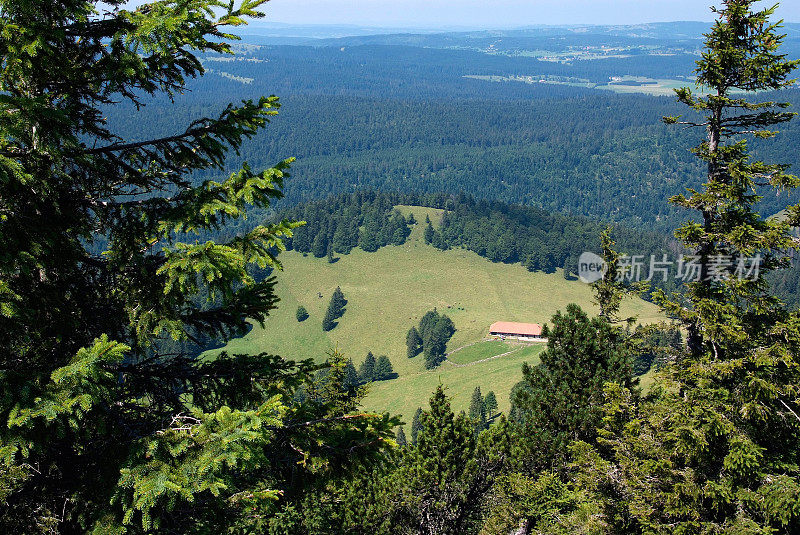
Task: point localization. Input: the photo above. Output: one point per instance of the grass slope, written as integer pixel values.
(388, 291)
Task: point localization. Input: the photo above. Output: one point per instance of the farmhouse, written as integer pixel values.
(521, 331)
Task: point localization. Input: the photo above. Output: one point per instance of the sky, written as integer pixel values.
(497, 13)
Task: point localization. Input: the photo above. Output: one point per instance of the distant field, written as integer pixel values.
(657, 87)
(388, 291)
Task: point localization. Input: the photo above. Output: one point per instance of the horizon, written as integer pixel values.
(502, 14)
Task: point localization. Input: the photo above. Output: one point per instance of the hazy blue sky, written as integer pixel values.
(496, 13)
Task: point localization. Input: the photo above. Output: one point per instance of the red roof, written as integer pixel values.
(510, 327)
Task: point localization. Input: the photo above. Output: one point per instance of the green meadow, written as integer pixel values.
(389, 290)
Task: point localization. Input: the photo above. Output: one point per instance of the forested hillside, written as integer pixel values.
(405, 119)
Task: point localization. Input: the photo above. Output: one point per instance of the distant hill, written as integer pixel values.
(388, 291)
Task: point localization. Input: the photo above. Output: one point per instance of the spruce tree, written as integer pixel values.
(319, 246)
(301, 314)
(335, 310)
(490, 404)
(413, 343)
(383, 368)
(104, 426)
(416, 425)
(477, 411)
(366, 373)
(443, 482)
(329, 320)
(722, 421)
(429, 233)
(401, 437)
(563, 399)
(351, 379)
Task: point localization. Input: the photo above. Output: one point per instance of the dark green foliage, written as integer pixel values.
(490, 404)
(477, 409)
(714, 448)
(110, 423)
(429, 232)
(442, 482)
(563, 396)
(351, 379)
(301, 314)
(435, 330)
(416, 425)
(401, 437)
(411, 220)
(383, 369)
(339, 224)
(413, 343)
(366, 373)
(335, 310)
(319, 247)
(656, 345)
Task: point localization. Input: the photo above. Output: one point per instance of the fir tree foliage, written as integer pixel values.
(103, 430)
(435, 330)
(562, 399)
(383, 369)
(477, 410)
(490, 404)
(301, 314)
(714, 448)
(366, 373)
(416, 425)
(443, 481)
(401, 437)
(413, 343)
(334, 311)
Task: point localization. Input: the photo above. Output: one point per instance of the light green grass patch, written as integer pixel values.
(479, 351)
(403, 395)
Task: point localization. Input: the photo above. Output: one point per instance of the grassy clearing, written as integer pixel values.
(388, 291)
(404, 394)
(479, 351)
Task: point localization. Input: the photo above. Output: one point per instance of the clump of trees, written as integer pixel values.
(430, 338)
(335, 310)
(339, 224)
(373, 369)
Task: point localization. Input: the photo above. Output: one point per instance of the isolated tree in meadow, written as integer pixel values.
(334, 311)
(301, 314)
(413, 343)
(435, 338)
(723, 420)
(366, 373)
(383, 368)
(102, 430)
